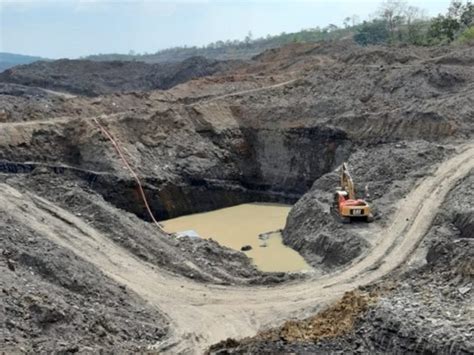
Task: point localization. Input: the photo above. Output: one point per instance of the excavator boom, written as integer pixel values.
(346, 182)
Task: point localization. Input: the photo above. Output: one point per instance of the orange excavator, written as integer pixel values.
(346, 205)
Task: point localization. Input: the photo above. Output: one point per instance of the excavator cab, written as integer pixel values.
(346, 205)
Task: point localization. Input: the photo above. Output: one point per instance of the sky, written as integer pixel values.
(74, 28)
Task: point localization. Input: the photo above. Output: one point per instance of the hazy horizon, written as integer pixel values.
(75, 28)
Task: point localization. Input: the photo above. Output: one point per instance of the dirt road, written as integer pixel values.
(245, 92)
(66, 119)
(204, 314)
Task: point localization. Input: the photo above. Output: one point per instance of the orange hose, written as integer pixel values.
(132, 172)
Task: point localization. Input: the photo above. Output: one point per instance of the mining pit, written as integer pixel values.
(234, 151)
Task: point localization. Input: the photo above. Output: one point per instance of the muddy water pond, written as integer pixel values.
(241, 225)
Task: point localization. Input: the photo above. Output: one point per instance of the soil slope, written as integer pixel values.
(94, 78)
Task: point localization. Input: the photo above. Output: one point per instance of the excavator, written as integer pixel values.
(346, 206)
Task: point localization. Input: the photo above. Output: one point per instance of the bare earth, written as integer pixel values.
(83, 270)
(201, 315)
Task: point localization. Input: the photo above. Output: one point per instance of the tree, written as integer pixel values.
(248, 38)
(347, 22)
(392, 12)
(374, 32)
(455, 9)
(460, 17)
(331, 28)
(415, 23)
(443, 28)
(467, 16)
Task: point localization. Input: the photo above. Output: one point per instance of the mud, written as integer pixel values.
(254, 225)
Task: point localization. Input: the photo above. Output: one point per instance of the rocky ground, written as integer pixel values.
(271, 129)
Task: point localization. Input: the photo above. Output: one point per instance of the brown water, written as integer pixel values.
(241, 225)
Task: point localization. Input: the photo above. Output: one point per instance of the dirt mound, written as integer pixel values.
(457, 56)
(334, 321)
(94, 78)
(54, 301)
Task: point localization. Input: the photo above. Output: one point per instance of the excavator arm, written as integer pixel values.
(346, 182)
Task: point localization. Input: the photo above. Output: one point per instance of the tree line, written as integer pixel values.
(394, 22)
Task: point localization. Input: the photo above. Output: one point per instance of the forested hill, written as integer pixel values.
(395, 22)
(236, 49)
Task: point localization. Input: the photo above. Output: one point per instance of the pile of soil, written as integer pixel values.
(335, 321)
(54, 301)
(93, 78)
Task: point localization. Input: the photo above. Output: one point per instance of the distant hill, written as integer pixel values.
(8, 60)
(232, 50)
(412, 28)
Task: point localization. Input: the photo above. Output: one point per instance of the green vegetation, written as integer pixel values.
(235, 49)
(467, 36)
(395, 22)
(399, 23)
(374, 32)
